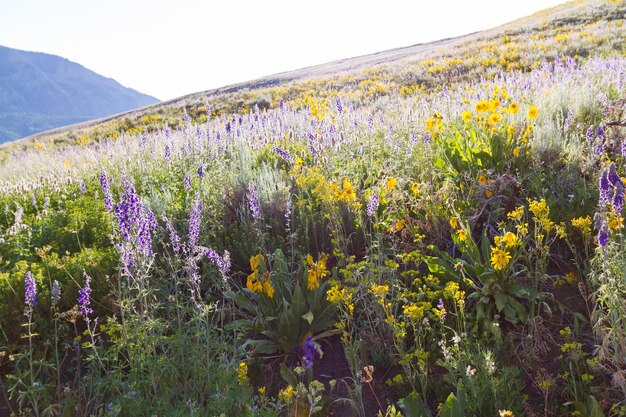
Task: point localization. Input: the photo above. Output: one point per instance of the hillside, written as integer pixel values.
(431, 231)
(41, 91)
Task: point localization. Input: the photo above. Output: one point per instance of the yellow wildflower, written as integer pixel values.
(510, 240)
(533, 112)
(316, 272)
(286, 394)
(391, 183)
(253, 283)
(583, 224)
(242, 373)
(415, 188)
(506, 413)
(413, 312)
(516, 214)
(494, 119)
(462, 235)
(513, 108)
(570, 278)
(454, 223)
(379, 290)
(499, 258)
(466, 115)
(482, 180)
(516, 152)
(482, 107)
(488, 193)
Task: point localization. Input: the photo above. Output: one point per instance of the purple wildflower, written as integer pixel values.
(221, 262)
(83, 187)
(603, 236)
(106, 190)
(128, 211)
(283, 154)
(186, 119)
(168, 153)
(55, 292)
(624, 149)
(255, 205)
(589, 135)
(30, 290)
(208, 111)
(604, 187)
(441, 306)
(613, 177)
(194, 223)
(201, 171)
(84, 296)
(174, 238)
(308, 352)
(427, 138)
(339, 104)
(288, 205)
(372, 204)
(618, 198)
(601, 133)
(187, 182)
(568, 119)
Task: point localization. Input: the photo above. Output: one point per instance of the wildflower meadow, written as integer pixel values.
(439, 235)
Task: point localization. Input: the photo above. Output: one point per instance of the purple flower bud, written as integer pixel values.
(601, 133)
(106, 190)
(168, 153)
(372, 205)
(201, 171)
(83, 187)
(283, 154)
(603, 236)
(30, 290)
(187, 182)
(339, 104)
(604, 187)
(308, 352)
(589, 135)
(194, 223)
(617, 201)
(55, 292)
(84, 296)
(254, 204)
(174, 238)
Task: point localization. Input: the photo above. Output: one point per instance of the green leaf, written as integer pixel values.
(501, 301)
(413, 406)
(308, 317)
(288, 375)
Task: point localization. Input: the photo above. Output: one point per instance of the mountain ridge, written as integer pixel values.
(41, 91)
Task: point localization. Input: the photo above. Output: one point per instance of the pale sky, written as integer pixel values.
(171, 48)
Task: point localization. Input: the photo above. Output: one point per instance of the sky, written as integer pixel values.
(171, 48)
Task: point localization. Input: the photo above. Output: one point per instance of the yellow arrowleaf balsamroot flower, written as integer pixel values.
(391, 183)
(533, 112)
(499, 258)
(516, 152)
(506, 413)
(513, 108)
(466, 115)
(415, 188)
(494, 119)
(510, 240)
(462, 235)
(482, 107)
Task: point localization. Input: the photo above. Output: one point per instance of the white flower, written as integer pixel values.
(490, 365)
(470, 371)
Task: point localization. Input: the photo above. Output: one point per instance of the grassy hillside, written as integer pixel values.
(430, 231)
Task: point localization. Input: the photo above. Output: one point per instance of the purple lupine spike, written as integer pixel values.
(339, 105)
(568, 119)
(308, 352)
(427, 138)
(83, 187)
(128, 211)
(613, 176)
(106, 190)
(208, 112)
(284, 155)
(168, 153)
(174, 238)
(603, 236)
(144, 238)
(221, 262)
(372, 204)
(623, 149)
(84, 296)
(617, 202)
(194, 223)
(186, 119)
(55, 293)
(604, 187)
(589, 135)
(253, 202)
(370, 122)
(30, 290)
(200, 171)
(601, 133)
(187, 182)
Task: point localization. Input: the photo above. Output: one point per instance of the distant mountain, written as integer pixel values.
(41, 91)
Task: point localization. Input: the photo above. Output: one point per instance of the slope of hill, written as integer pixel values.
(443, 223)
(40, 91)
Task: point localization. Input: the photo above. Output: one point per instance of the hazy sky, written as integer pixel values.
(171, 48)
